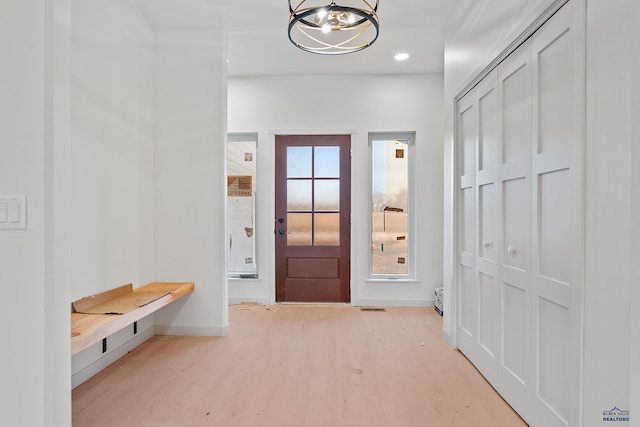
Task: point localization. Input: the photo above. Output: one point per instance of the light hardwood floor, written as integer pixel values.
(297, 365)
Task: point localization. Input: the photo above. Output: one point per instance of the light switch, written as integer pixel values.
(13, 212)
(4, 212)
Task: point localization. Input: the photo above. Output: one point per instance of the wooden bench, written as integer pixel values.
(96, 317)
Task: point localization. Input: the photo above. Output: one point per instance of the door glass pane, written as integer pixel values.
(299, 229)
(327, 195)
(327, 229)
(299, 195)
(299, 162)
(327, 162)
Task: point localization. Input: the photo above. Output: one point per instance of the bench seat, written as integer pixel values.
(88, 329)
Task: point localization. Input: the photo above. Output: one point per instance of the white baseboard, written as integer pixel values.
(448, 338)
(88, 371)
(392, 303)
(197, 331)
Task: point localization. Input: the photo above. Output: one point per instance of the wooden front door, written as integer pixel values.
(312, 223)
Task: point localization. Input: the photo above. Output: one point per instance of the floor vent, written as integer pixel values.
(372, 309)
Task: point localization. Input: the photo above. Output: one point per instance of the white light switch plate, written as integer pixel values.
(13, 212)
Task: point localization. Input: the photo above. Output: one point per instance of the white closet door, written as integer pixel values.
(515, 95)
(486, 219)
(553, 248)
(519, 221)
(467, 324)
(478, 296)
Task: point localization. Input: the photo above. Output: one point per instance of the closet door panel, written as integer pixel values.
(467, 220)
(489, 310)
(556, 337)
(515, 96)
(515, 88)
(487, 171)
(467, 126)
(554, 226)
(555, 74)
(468, 298)
(477, 165)
(488, 294)
(516, 223)
(467, 288)
(514, 331)
(488, 125)
(466, 165)
(486, 224)
(554, 359)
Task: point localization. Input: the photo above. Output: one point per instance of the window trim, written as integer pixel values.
(237, 275)
(410, 137)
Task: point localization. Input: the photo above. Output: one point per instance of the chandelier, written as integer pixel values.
(333, 29)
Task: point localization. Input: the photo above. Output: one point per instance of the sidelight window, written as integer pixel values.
(241, 205)
(391, 206)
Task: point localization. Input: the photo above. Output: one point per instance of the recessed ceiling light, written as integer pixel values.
(402, 56)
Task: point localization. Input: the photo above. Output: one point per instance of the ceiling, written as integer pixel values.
(259, 46)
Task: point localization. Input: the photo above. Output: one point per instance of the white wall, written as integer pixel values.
(127, 90)
(80, 146)
(634, 296)
(22, 389)
(57, 158)
(608, 208)
(345, 104)
(112, 216)
(479, 30)
(112, 146)
(190, 184)
(34, 390)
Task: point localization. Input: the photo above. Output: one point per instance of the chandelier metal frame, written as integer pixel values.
(333, 29)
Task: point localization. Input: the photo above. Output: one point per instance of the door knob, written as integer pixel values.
(487, 244)
(511, 250)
